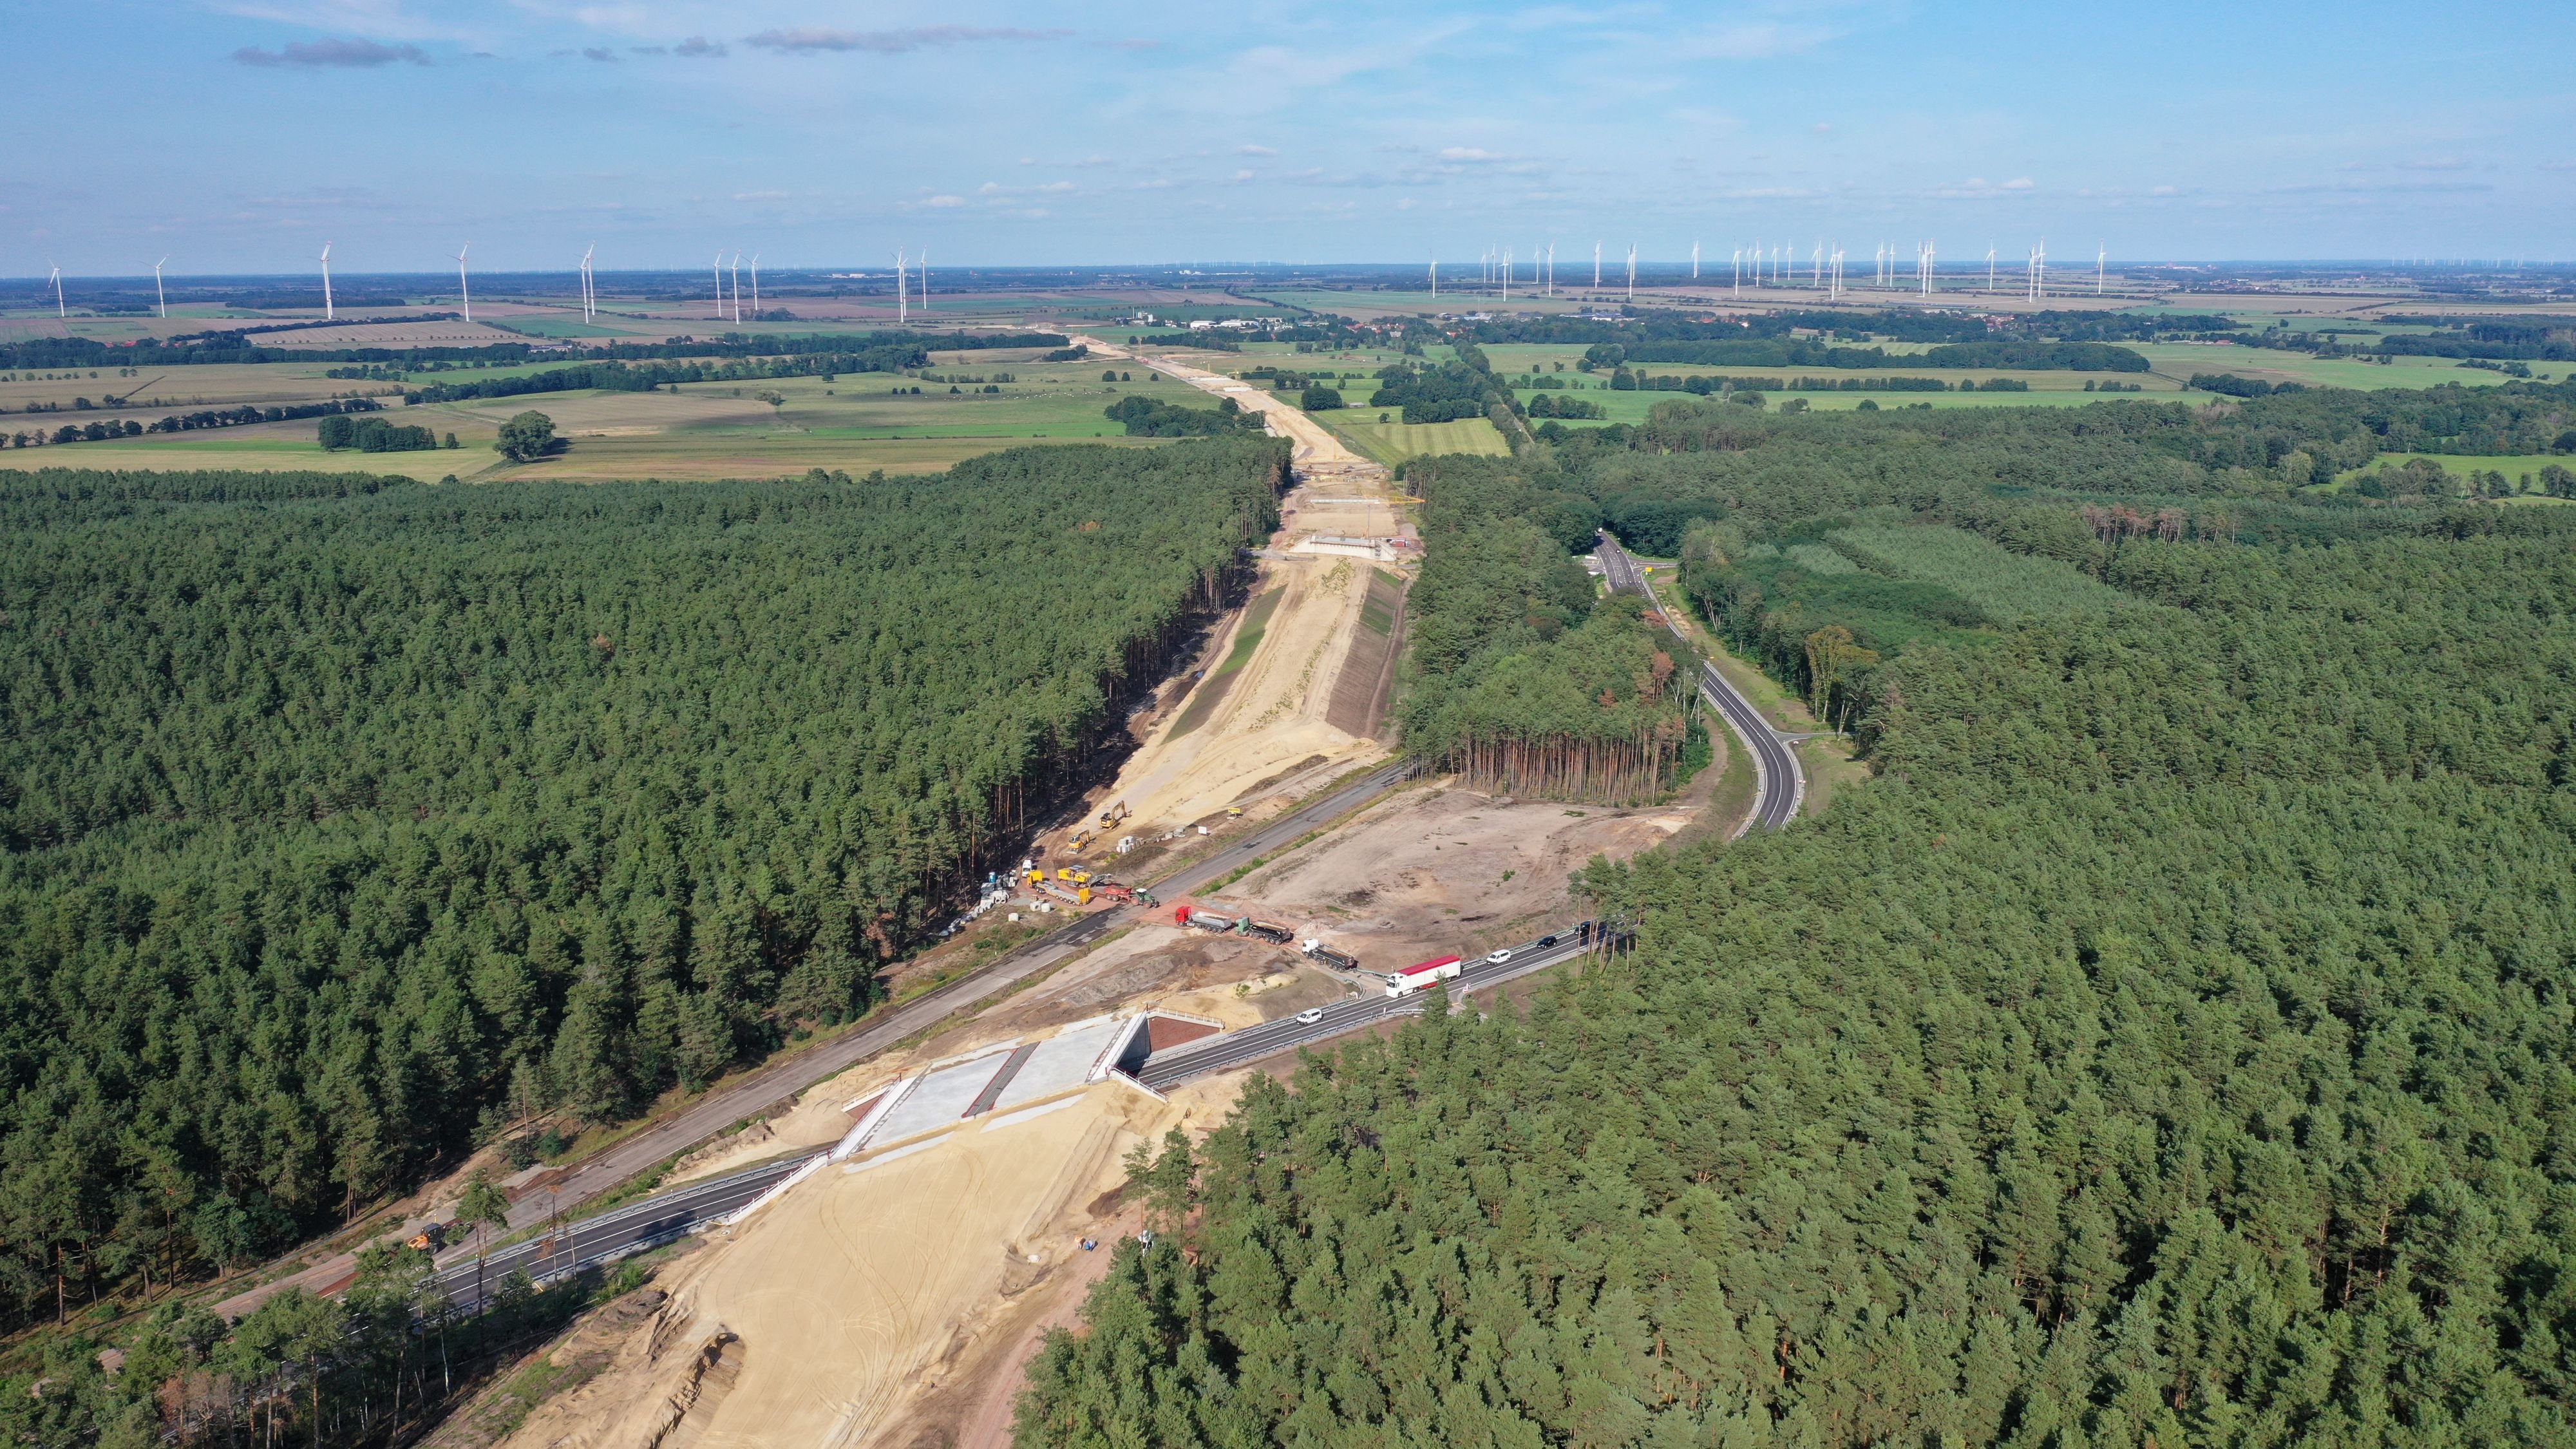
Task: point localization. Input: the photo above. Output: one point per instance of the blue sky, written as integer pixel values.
(238, 135)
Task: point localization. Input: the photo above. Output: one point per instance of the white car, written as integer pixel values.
(1497, 958)
(1311, 1015)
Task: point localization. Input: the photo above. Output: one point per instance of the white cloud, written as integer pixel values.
(1254, 151)
(323, 54)
(817, 39)
(1057, 186)
(760, 196)
(944, 202)
(989, 188)
(1468, 155)
(1243, 176)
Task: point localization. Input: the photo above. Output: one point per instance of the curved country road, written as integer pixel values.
(1780, 781)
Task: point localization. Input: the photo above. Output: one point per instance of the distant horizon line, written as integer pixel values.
(2073, 263)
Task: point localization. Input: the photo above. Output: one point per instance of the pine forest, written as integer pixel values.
(2171, 1045)
(348, 820)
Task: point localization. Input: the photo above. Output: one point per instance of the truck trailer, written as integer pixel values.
(1428, 974)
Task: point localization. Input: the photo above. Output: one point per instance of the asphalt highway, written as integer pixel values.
(467, 1283)
(1229, 1050)
(1780, 782)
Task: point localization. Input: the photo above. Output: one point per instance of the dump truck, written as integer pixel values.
(1204, 919)
(1419, 977)
(1270, 931)
(1330, 957)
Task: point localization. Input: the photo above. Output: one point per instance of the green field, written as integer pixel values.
(2522, 468)
(698, 430)
(1393, 442)
(2006, 587)
(2179, 360)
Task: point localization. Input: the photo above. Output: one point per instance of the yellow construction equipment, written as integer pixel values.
(1113, 814)
(1080, 839)
(1233, 811)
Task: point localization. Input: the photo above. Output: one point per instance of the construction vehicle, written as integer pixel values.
(1330, 957)
(1204, 919)
(1113, 814)
(1080, 839)
(1270, 931)
(1234, 812)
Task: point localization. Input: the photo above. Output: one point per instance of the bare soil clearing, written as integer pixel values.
(1442, 868)
(917, 1279)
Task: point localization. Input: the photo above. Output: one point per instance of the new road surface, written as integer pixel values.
(467, 1281)
(1779, 781)
(754, 1093)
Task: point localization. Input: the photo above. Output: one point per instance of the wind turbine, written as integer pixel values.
(1737, 263)
(327, 313)
(737, 288)
(1596, 266)
(1816, 267)
(156, 288)
(1632, 271)
(1506, 274)
(1435, 279)
(902, 292)
(755, 284)
(1930, 265)
(1694, 261)
(60, 311)
(2101, 257)
(589, 289)
(719, 271)
(462, 291)
(1990, 266)
(921, 279)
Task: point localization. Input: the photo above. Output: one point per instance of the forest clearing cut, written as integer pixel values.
(1293, 688)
